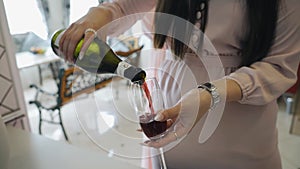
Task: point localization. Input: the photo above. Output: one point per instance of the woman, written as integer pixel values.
(258, 43)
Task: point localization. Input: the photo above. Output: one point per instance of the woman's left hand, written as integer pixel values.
(185, 114)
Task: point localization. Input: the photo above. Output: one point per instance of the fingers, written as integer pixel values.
(171, 136)
(166, 114)
(96, 18)
(185, 112)
(170, 122)
(70, 40)
(88, 38)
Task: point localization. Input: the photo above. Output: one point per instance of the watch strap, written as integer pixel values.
(212, 89)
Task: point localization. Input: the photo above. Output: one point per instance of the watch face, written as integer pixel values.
(208, 85)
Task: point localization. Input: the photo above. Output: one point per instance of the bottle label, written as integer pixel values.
(122, 67)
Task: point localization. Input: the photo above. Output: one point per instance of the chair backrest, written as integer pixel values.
(74, 82)
(295, 87)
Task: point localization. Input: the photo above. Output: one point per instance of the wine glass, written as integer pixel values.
(147, 101)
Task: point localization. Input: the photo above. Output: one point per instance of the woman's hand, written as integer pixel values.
(191, 108)
(96, 18)
(185, 114)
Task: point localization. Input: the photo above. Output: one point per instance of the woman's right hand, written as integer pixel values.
(94, 19)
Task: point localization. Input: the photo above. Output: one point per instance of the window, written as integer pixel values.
(25, 16)
(32, 22)
(80, 7)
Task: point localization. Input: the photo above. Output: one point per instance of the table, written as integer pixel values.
(31, 151)
(28, 59)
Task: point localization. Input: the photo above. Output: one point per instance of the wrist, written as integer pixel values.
(210, 90)
(103, 11)
(205, 100)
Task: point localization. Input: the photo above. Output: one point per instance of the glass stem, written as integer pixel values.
(162, 159)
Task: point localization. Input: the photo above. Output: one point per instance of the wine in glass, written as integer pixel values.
(147, 100)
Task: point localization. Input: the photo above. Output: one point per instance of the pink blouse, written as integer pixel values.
(246, 136)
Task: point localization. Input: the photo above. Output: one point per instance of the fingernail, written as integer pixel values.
(143, 144)
(81, 54)
(158, 117)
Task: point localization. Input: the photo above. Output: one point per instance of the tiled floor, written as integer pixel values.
(121, 137)
(91, 122)
(289, 144)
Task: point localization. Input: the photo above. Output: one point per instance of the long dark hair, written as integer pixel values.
(261, 17)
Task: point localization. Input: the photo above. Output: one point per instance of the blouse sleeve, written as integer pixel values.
(266, 80)
(121, 8)
(126, 12)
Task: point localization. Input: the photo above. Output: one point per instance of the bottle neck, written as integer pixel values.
(131, 72)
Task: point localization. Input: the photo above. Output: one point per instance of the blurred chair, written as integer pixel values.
(31, 42)
(25, 41)
(127, 48)
(289, 96)
(71, 83)
(295, 124)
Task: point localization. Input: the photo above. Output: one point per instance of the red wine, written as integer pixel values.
(151, 127)
(147, 92)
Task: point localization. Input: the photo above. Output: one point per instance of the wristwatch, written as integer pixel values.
(212, 89)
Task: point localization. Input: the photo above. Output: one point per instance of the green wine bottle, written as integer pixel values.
(100, 58)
